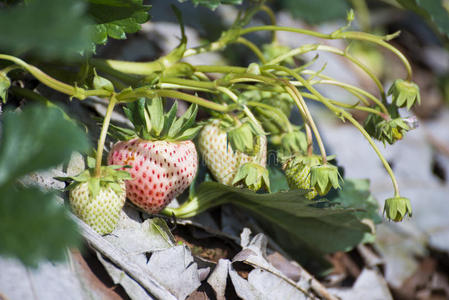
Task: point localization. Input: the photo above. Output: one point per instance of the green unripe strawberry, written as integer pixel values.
(98, 199)
(221, 159)
(101, 212)
(297, 171)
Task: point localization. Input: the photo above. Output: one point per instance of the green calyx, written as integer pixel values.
(397, 208)
(253, 176)
(387, 131)
(243, 138)
(5, 83)
(324, 177)
(110, 177)
(404, 93)
(151, 123)
(293, 142)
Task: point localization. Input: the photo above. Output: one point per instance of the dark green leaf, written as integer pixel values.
(48, 28)
(116, 18)
(34, 227)
(320, 226)
(434, 10)
(36, 139)
(317, 11)
(355, 193)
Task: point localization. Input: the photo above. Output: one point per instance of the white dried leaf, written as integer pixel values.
(176, 270)
(369, 284)
(45, 179)
(132, 288)
(48, 281)
(76, 164)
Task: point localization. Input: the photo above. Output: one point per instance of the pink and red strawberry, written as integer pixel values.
(161, 170)
(162, 157)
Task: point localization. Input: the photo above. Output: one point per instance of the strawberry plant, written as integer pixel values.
(245, 113)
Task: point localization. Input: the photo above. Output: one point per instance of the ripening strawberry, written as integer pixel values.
(162, 158)
(101, 212)
(161, 170)
(222, 161)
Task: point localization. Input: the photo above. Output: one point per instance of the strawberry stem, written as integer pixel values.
(352, 35)
(55, 84)
(104, 131)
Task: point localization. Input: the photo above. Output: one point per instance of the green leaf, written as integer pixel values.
(355, 193)
(169, 118)
(36, 139)
(320, 226)
(34, 227)
(213, 4)
(316, 11)
(156, 111)
(436, 11)
(184, 122)
(116, 18)
(189, 134)
(47, 28)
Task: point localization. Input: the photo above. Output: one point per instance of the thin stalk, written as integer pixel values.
(275, 110)
(376, 149)
(189, 83)
(246, 110)
(358, 63)
(344, 105)
(314, 47)
(272, 17)
(192, 207)
(104, 132)
(145, 92)
(300, 101)
(128, 67)
(103, 66)
(340, 112)
(10, 68)
(252, 47)
(54, 83)
(220, 69)
(309, 139)
(337, 35)
(363, 36)
(357, 90)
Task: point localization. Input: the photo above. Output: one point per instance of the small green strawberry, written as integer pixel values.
(98, 200)
(222, 160)
(297, 170)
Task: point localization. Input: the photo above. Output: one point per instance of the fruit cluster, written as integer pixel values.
(249, 111)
